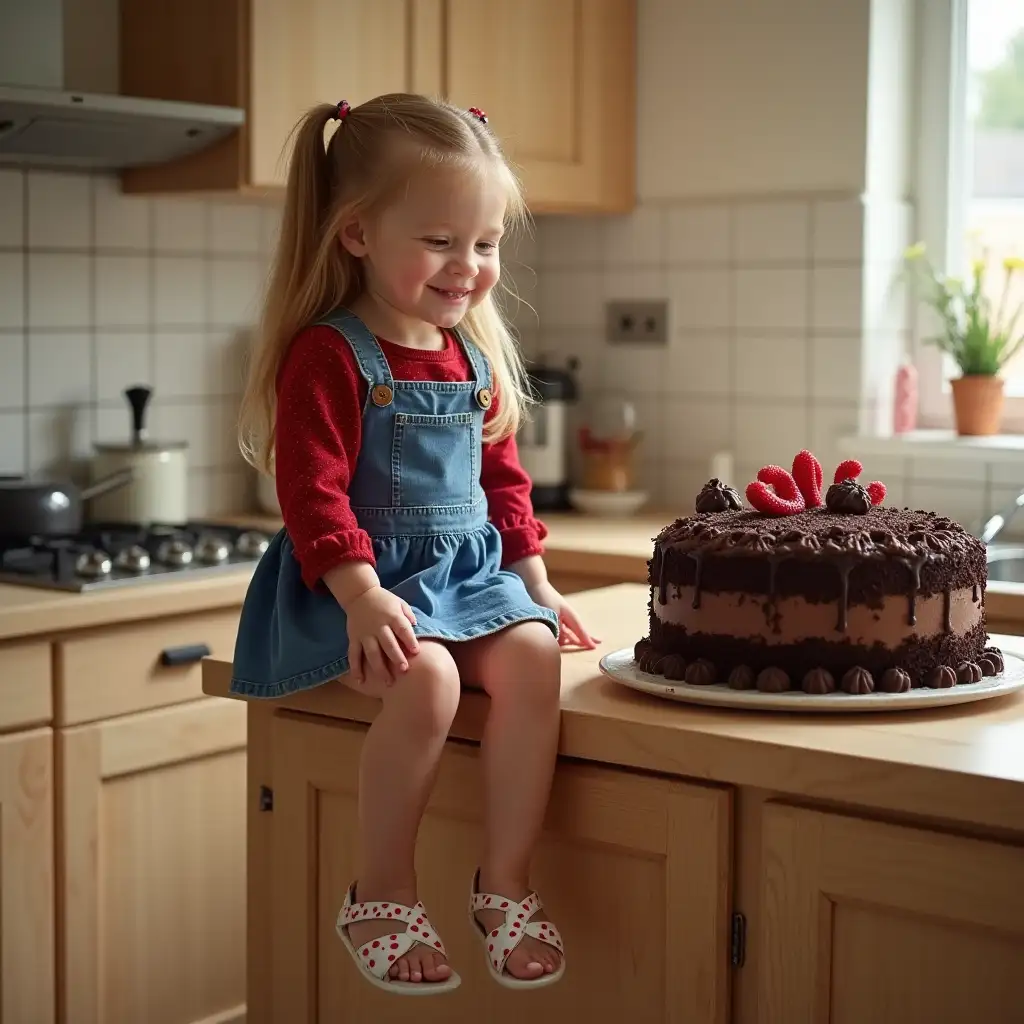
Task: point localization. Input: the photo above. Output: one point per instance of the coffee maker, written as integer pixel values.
(543, 436)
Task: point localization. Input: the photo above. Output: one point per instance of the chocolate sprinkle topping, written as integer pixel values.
(858, 680)
(848, 498)
(718, 497)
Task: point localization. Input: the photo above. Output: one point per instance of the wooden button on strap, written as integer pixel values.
(483, 396)
(382, 394)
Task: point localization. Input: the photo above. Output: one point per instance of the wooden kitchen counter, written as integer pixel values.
(757, 867)
(964, 763)
(31, 611)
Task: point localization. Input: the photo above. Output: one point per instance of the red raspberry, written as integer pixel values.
(766, 501)
(848, 470)
(807, 474)
(784, 484)
(876, 489)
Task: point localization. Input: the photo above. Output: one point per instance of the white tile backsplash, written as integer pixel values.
(180, 297)
(838, 230)
(835, 367)
(12, 209)
(696, 428)
(571, 298)
(770, 297)
(699, 299)
(772, 365)
(59, 210)
(640, 239)
(12, 365)
(12, 443)
(770, 431)
(837, 298)
(699, 235)
(700, 363)
(773, 232)
(123, 290)
(60, 369)
(12, 290)
(59, 290)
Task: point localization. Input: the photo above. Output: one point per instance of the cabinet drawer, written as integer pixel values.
(26, 696)
(138, 666)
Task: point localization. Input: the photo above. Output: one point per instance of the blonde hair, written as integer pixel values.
(360, 169)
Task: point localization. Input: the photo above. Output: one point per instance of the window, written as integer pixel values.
(970, 201)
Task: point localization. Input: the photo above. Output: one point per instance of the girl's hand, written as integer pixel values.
(379, 635)
(571, 631)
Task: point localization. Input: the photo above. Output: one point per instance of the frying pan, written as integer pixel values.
(49, 508)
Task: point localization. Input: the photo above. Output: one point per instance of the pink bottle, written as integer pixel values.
(905, 401)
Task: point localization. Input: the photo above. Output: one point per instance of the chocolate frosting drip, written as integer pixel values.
(867, 555)
(718, 497)
(848, 498)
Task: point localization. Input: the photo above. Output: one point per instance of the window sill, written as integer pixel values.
(938, 444)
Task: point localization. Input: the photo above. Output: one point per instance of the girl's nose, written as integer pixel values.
(464, 265)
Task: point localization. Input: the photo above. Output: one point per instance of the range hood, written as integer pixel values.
(49, 50)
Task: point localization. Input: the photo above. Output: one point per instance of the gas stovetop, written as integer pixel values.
(104, 556)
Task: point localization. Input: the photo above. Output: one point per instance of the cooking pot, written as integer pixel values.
(158, 492)
(50, 508)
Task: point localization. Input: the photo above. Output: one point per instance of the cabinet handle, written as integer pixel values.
(186, 654)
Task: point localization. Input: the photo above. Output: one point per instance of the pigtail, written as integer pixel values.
(294, 292)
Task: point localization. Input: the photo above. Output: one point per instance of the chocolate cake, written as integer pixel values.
(824, 595)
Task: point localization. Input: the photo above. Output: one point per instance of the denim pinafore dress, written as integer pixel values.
(416, 492)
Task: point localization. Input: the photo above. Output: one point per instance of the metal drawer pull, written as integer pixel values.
(184, 655)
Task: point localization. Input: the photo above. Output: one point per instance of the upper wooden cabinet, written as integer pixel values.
(556, 77)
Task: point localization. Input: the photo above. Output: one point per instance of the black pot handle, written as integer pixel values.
(186, 654)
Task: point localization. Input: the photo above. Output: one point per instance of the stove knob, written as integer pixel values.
(134, 558)
(174, 552)
(212, 550)
(93, 564)
(252, 544)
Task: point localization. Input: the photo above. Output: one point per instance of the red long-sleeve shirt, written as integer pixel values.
(320, 398)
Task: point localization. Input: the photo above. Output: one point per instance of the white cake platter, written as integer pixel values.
(621, 666)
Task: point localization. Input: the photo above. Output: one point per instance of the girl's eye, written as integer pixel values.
(436, 241)
(487, 246)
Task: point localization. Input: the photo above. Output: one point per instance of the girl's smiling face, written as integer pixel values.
(431, 255)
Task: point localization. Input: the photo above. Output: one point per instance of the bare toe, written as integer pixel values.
(435, 968)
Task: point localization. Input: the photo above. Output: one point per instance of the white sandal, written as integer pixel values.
(376, 957)
(501, 941)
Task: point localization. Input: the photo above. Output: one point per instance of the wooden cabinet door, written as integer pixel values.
(557, 80)
(26, 878)
(306, 52)
(152, 867)
(863, 921)
(635, 869)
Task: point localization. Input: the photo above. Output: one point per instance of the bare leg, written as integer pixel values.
(397, 770)
(520, 670)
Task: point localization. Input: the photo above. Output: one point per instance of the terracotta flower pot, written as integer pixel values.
(978, 404)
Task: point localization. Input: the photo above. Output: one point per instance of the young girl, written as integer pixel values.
(386, 393)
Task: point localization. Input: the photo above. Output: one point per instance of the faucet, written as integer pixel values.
(995, 524)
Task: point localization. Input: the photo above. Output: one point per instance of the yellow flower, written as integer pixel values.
(915, 252)
(1012, 263)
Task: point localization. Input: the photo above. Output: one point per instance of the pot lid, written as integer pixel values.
(140, 447)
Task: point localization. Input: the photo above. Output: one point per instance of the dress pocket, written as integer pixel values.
(433, 460)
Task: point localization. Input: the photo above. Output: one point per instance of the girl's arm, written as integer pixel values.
(319, 426)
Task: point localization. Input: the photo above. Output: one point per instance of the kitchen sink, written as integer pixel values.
(1006, 563)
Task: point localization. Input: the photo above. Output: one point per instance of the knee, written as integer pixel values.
(429, 691)
(525, 667)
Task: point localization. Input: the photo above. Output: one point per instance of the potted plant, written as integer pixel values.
(980, 339)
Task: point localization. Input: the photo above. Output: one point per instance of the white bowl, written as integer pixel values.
(607, 503)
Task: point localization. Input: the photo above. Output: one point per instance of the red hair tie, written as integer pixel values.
(478, 114)
(342, 110)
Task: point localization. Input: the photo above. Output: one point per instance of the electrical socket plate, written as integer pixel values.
(637, 322)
